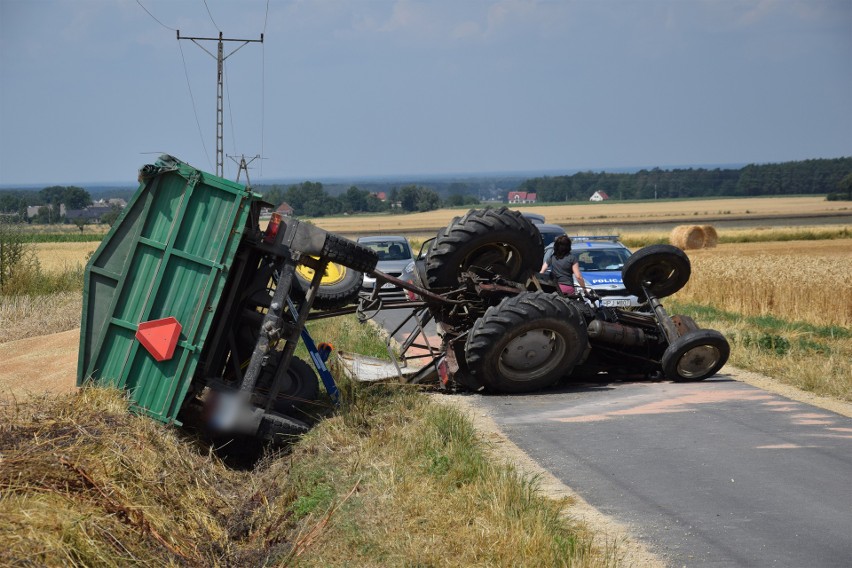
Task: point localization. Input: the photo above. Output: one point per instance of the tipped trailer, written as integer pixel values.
(189, 305)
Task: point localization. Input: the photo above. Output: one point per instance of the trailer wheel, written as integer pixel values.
(349, 253)
(667, 268)
(339, 285)
(501, 240)
(301, 386)
(695, 355)
(526, 343)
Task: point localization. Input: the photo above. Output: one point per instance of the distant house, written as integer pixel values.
(381, 196)
(599, 196)
(521, 197)
(284, 210)
(32, 210)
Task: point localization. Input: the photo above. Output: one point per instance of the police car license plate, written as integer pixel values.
(616, 303)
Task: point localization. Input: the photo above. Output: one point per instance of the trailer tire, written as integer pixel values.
(695, 355)
(526, 343)
(501, 240)
(301, 386)
(349, 253)
(339, 285)
(667, 268)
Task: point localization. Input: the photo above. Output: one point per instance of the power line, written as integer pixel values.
(158, 21)
(266, 17)
(194, 109)
(211, 16)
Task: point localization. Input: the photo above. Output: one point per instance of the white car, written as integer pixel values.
(394, 255)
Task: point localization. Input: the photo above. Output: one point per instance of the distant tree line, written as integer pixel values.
(311, 199)
(820, 176)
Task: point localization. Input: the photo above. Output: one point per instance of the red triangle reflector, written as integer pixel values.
(159, 337)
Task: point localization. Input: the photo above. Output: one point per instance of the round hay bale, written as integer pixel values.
(711, 237)
(687, 237)
(676, 237)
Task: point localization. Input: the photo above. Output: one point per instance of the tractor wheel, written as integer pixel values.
(339, 285)
(526, 343)
(300, 386)
(500, 240)
(349, 253)
(665, 267)
(695, 355)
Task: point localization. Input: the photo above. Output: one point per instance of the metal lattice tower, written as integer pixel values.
(220, 62)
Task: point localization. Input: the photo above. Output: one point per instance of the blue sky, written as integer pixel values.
(90, 90)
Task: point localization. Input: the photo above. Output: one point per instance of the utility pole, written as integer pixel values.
(220, 60)
(243, 166)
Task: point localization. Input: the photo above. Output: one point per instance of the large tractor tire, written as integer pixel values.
(664, 269)
(526, 343)
(695, 355)
(339, 285)
(349, 253)
(500, 240)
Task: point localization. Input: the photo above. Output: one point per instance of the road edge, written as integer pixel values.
(630, 551)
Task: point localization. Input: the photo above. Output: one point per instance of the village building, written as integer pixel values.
(599, 196)
(521, 197)
(284, 210)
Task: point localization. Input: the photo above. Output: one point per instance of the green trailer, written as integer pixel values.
(188, 304)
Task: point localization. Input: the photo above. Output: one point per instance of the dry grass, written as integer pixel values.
(31, 316)
(413, 487)
(84, 483)
(394, 480)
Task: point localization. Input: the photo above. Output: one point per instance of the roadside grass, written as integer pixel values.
(391, 479)
(810, 357)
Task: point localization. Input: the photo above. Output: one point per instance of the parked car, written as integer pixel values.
(394, 255)
(536, 218)
(549, 232)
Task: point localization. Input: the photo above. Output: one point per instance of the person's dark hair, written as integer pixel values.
(561, 246)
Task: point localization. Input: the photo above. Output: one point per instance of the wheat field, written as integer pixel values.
(58, 257)
(808, 281)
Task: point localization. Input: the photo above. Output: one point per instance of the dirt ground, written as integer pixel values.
(38, 365)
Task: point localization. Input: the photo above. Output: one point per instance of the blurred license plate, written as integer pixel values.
(617, 303)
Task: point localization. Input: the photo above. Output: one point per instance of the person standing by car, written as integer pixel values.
(564, 266)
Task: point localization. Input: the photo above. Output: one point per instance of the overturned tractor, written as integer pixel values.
(505, 328)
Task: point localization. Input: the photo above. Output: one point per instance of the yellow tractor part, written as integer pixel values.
(334, 273)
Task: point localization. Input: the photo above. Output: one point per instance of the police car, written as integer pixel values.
(601, 259)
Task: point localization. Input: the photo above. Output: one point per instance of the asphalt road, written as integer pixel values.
(716, 473)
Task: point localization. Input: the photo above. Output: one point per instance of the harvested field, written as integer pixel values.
(57, 257)
(612, 212)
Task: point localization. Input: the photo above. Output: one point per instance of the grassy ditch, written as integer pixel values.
(390, 479)
(813, 358)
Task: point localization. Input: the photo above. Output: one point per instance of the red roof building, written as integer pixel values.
(521, 197)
